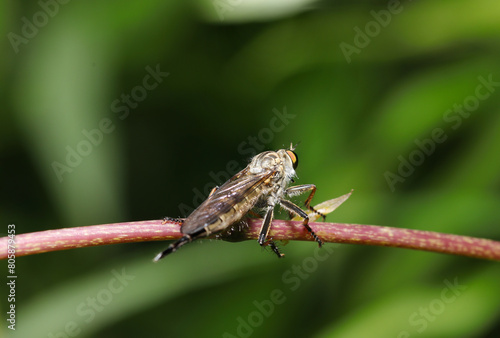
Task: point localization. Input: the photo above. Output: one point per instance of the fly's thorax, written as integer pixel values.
(283, 167)
(267, 160)
(277, 161)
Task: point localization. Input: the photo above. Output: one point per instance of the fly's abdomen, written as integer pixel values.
(222, 209)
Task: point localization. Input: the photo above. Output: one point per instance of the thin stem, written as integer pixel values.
(72, 238)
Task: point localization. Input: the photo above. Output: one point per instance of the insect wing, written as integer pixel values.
(231, 193)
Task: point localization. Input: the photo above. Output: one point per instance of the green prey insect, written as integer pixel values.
(262, 183)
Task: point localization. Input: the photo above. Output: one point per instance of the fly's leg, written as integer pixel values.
(291, 207)
(300, 189)
(172, 220)
(173, 247)
(264, 231)
(274, 247)
(266, 225)
(183, 240)
(176, 245)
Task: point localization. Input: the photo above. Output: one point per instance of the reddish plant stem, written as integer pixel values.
(71, 238)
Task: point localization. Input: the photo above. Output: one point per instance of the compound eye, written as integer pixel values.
(294, 158)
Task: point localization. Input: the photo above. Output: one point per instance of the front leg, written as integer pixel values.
(300, 189)
(295, 209)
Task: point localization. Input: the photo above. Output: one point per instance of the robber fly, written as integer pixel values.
(262, 183)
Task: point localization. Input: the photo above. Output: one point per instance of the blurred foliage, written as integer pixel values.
(411, 67)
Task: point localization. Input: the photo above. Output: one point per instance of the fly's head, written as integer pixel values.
(283, 162)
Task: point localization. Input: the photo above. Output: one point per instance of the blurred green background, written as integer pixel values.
(89, 136)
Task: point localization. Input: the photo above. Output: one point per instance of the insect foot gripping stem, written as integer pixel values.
(291, 207)
(171, 219)
(274, 247)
